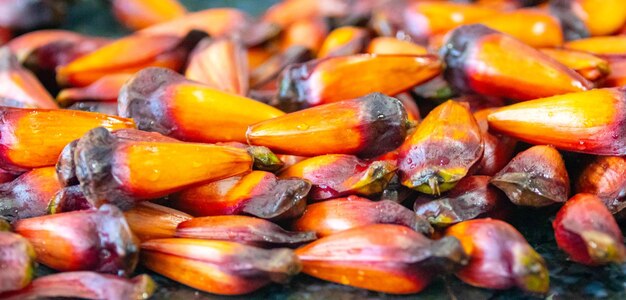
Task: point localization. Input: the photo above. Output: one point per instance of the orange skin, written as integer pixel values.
(253, 194)
(114, 58)
(605, 177)
(533, 27)
(516, 70)
(349, 77)
(585, 229)
(345, 40)
(309, 33)
(604, 46)
(379, 257)
(145, 167)
(534, 177)
(223, 197)
(173, 106)
(588, 65)
(587, 122)
(427, 18)
(242, 229)
(499, 149)
(226, 114)
(391, 46)
(125, 171)
(20, 86)
(602, 17)
(104, 89)
(329, 217)
(218, 267)
(169, 60)
(29, 195)
(346, 127)
(221, 64)
(500, 257)
(216, 22)
(152, 45)
(441, 150)
(392, 280)
(150, 221)
(33, 138)
(91, 240)
(139, 14)
(337, 175)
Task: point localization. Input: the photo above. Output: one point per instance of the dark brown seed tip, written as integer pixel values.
(454, 53)
(285, 200)
(573, 27)
(137, 99)
(387, 124)
(94, 159)
(65, 167)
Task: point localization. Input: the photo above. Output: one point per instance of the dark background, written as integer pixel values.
(568, 280)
